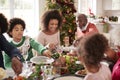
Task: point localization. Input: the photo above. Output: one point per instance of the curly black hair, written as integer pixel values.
(13, 22)
(48, 15)
(92, 48)
(3, 24)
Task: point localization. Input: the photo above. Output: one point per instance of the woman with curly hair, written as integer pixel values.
(91, 51)
(50, 35)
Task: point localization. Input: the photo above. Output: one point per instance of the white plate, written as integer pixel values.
(41, 60)
(69, 78)
(78, 74)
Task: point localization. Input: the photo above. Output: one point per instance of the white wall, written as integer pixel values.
(107, 4)
(112, 12)
(99, 8)
(108, 10)
(42, 4)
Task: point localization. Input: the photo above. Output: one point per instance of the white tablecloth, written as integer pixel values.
(10, 72)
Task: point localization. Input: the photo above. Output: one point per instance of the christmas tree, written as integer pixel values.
(67, 10)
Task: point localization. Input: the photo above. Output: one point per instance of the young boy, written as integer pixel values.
(24, 43)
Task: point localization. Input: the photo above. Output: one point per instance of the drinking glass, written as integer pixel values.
(27, 66)
(117, 46)
(112, 44)
(47, 72)
(43, 70)
(59, 49)
(25, 56)
(56, 71)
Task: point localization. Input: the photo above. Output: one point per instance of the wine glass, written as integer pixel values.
(27, 65)
(112, 44)
(47, 72)
(59, 49)
(43, 70)
(26, 68)
(25, 56)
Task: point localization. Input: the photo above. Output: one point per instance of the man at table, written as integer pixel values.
(83, 26)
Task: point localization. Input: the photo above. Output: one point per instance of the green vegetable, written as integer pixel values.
(55, 56)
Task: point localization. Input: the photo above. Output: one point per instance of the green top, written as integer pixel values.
(25, 46)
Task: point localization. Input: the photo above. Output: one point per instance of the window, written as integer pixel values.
(85, 5)
(116, 4)
(28, 10)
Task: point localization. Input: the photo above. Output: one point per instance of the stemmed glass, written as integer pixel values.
(47, 71)
(114, 45)
(117, 45)
(27, 65)
(25, 56)
(43, 70)
(59, 49)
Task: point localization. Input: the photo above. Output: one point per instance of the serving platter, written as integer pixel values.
(41, 60)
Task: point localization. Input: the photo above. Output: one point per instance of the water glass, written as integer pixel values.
(56, 71)
(59, 49)
(47, 71)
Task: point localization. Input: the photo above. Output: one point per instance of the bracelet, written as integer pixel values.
(18, 58)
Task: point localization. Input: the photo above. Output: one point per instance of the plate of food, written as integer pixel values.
(41, 60)
(82, 73)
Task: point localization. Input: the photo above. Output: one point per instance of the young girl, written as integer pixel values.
(24, 43)
(91, 51)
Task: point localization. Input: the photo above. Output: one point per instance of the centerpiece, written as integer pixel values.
(37, 73)
(59, 64)
(67, 63)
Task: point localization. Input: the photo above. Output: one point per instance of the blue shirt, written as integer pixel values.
(8, 48)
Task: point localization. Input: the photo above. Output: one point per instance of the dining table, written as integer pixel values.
(69, 77)
(45, 60)
(10, 73)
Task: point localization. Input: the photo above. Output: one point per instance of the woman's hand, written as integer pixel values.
(47, 53)
(51, 46)
(16, 65)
